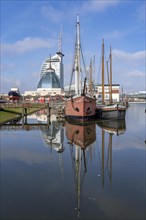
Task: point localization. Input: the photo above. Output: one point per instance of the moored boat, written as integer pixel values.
(82, 106)
(112, 110)
(14, 94)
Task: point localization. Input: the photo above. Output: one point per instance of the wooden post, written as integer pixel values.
(48, 114)
(25, 119)
(25, 111)
(22, 111)
(48, 110)
(24, 114)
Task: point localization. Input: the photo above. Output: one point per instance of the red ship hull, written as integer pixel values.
(80, 108)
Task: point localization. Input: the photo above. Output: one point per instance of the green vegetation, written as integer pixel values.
(11, 113)
(19, 110)
(7, 116)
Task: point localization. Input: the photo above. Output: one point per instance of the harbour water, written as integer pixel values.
(66, 171)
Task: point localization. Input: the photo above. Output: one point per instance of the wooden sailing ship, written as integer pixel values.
(81, 106)
(112, 110)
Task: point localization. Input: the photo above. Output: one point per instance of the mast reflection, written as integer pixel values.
(81, 138)
(115, 127)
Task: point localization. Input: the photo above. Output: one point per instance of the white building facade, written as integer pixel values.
(115, 92)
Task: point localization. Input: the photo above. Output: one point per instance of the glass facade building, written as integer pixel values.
(57, 65)
(49, 80)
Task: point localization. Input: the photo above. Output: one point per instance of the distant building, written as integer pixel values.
(136, 96)
(97, 90)
(56, 63)
(115, 92)
(51, 81)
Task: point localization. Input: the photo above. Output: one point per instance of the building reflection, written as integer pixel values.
(53, 134)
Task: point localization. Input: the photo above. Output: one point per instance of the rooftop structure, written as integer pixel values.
(49, 80)
(56, 62)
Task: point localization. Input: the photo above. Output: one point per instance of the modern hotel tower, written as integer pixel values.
(56, 63)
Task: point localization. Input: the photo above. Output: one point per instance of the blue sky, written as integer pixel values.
(30, 32)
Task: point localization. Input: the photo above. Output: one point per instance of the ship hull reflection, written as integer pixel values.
(115, 127)
(81, 135)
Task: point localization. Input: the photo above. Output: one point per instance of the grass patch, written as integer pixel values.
(11, 113)
(19, 110)
(7, 116)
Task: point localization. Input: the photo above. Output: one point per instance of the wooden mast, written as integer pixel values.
(103, 71)
(111, 75)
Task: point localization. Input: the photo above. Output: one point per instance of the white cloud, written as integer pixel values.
(35, 74)
(27, 44)
(142, 12)
(114, 35)
(52, 14)
(129, 69)
(135, 73)
(98, 5)
(7, 83)
(7, 67)
(137, 56)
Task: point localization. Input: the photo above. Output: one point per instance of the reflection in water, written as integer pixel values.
(53, 135)
(81, 138)
(80, 135)
(112, 127)
(115, 127)
(108, 170)
(15, 121)
(52, 132)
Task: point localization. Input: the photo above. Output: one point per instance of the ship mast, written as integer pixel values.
(91, 89)
(111, 75)
(103, 71)
(77, 58)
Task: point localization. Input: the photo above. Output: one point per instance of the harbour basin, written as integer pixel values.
(71, 171)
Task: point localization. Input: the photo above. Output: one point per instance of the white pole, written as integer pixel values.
(77, 59)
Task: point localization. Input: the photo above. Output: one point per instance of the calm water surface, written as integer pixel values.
(68, 171)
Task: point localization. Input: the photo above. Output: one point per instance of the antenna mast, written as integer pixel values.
(60, 41)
